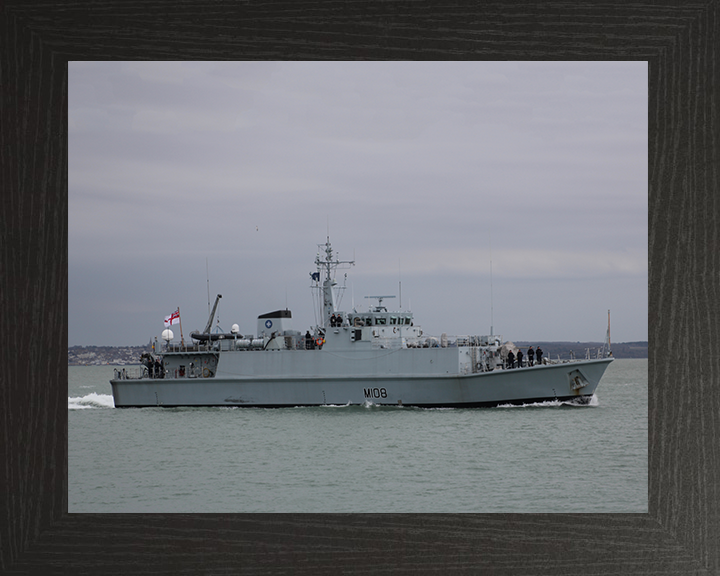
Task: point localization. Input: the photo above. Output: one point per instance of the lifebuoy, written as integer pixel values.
(206, 373)
(320, 341)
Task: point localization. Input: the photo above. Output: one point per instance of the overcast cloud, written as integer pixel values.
(425, 173)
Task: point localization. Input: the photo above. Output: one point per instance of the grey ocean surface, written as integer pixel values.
(545, 457)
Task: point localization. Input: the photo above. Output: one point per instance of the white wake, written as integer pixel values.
(92, 400)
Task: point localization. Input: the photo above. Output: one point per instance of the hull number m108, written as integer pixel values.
(375, 392)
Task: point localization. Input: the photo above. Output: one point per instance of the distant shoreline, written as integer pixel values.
(130, 355)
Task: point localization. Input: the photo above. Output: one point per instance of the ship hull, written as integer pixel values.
(566, 381)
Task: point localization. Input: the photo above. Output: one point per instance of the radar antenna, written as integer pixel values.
(380, 299)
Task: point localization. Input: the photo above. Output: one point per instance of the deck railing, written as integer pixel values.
(134, 373)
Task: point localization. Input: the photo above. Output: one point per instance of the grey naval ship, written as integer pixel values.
(375, 356)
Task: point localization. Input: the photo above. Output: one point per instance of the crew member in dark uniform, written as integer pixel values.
(538, 355)
(519, 358)
(511, 359)
(531, 356)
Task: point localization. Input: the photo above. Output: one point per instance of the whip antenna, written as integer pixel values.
(207, 273)
(491, 292)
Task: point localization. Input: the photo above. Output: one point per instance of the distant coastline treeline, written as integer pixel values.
(130, 355)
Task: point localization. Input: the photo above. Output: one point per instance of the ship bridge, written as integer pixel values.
(380, 317)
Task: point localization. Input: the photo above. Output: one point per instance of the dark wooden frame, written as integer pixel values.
(680, 535)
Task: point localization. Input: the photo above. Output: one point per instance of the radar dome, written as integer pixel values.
(235, 329)
(167, 335)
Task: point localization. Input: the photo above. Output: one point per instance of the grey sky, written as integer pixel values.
(419, 168)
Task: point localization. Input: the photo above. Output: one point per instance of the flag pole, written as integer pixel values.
(182, 339)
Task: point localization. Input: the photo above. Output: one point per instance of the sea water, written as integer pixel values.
(548, 457)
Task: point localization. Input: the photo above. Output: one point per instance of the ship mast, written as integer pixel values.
(326, 265)
(607, 347)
